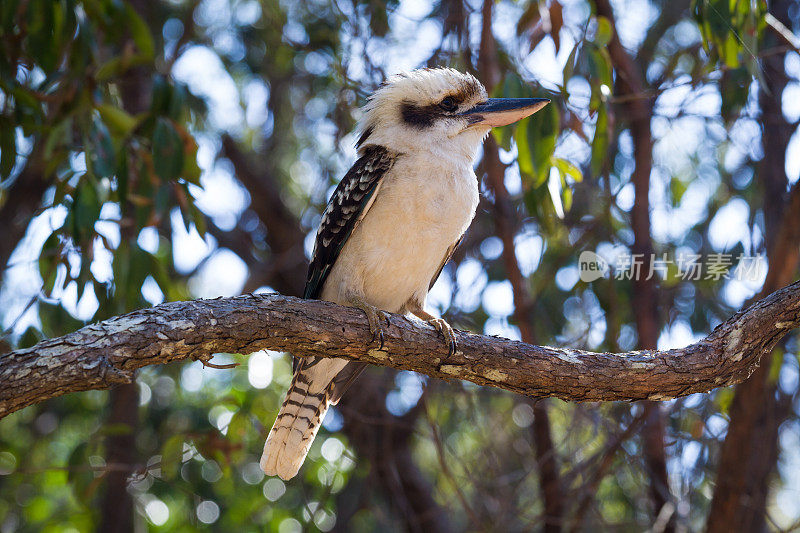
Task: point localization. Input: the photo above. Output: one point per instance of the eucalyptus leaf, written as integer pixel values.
(168, 157)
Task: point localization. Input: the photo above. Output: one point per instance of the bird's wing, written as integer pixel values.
(319, 382)
(447, 257)
(347, 206)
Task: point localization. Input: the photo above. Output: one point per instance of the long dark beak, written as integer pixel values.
(502, 111)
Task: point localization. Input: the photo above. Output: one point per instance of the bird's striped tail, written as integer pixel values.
(294, 430)
(311, 393)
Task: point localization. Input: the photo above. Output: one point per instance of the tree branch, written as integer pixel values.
(104, 354)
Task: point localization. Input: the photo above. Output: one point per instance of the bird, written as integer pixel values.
(390, 227)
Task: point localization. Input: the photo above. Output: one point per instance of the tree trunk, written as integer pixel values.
(123, 419)
(750, 449)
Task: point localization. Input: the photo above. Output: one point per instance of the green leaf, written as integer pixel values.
(191, 170)
(566, 198)
(238, 427)
(600, 141)
(677, 187)
(8, 11)
(25, 98)
(600, 65)
(59, 136)
(120, 121)
(776, 363)
(724, 399)
(177, 101)
(171, 457)
(101, 155)
(56, 320)
(85, 210)
(542, 131)
(199, 219)
(161, 96)
(730, 51)
(717, 14)
(40, 25)
(140, 33)
(79, 477)
(604, 32)
(123, 183)
(30, 337)
(523, 149)
(49, 259)
(569, 67)
(111, 68)
(568, 169)
(167, 150)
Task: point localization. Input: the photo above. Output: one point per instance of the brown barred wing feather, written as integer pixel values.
(347, 206)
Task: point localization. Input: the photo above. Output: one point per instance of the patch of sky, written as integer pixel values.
(730, 226)
(188, 247)
(498, 299)
(528, 248)
(202, 70)
(567, 277)
(223, 273)
(407, 393)
(501, 328)
(634, 18)
(787, 508)
(259, 369)
(151, 291)
(678, 334)
(793, 158)
(471, 279)
(333, 420)
(440, 295)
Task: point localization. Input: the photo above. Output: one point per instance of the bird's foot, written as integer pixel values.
(447, 332)
(374, 316)
(440, 324)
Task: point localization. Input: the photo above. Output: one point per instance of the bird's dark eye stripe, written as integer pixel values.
(417, 116)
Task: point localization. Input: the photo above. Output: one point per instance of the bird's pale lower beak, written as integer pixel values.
(502, 111)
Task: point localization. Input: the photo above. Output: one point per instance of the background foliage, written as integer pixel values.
(172, 149)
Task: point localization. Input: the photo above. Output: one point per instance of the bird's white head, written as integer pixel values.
(440, 110)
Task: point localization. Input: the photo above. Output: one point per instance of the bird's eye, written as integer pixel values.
(448, 104)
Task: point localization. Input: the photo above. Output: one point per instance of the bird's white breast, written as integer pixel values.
(422, 207)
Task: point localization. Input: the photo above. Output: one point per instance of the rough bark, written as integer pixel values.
(105, 354)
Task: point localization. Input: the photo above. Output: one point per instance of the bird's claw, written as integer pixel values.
(374, 317)
(447, 332)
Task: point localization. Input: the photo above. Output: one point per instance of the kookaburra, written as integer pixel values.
(390, 227)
